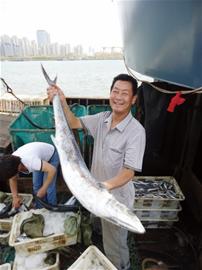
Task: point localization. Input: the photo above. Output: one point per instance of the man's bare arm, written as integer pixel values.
(123, 177)
(17, 200)
(50, 170)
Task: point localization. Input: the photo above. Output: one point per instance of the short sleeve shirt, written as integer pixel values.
(32, 155)
(122, 146)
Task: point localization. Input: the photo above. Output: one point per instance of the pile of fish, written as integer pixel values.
(155, 189)
(7, 211)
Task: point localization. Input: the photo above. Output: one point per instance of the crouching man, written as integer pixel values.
(39, 158)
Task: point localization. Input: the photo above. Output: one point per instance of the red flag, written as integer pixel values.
(175, 101)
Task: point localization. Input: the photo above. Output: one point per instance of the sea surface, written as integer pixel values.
(80, 78)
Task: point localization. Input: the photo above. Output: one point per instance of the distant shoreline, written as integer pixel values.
(109, 57)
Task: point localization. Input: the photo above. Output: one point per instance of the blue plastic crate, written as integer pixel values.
(36, 123)
(93, 109)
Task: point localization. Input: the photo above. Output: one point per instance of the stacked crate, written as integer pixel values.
(29, 247)
(41, 244)
(36, 123)
(155, 211)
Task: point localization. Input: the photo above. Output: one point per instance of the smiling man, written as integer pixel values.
(119, 144)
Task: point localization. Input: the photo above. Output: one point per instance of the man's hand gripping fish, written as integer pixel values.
(80, 181)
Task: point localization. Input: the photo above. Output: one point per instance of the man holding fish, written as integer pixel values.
(119, 144)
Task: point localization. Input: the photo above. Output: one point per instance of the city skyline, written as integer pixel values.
(16, 48)
(89, 23)
(50, 41)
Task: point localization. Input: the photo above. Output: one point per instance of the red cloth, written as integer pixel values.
(175, 101)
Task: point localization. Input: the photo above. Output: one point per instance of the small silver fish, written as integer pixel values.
(22, 237)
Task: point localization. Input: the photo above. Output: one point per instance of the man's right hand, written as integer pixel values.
(73, 121)
(54, 90)
(17, 201)
(41, 192)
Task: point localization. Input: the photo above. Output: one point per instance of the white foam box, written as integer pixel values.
(55, 266)
(92, 258)
(39, 244)
(5, 224)
(5, 266)
(4, 237)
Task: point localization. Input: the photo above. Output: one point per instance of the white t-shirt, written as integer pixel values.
(32, 154)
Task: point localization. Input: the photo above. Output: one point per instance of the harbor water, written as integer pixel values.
(79, 78)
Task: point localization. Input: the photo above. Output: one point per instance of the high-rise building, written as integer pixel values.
(43, 38)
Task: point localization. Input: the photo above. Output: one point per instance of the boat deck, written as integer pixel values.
(177, 246)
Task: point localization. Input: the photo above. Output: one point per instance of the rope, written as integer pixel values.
(150, 263)
(162, 90)
(10, 91)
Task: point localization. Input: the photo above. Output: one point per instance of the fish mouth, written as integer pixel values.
(139, 228)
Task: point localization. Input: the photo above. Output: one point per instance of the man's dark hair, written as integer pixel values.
(127, 78)
(8, 166)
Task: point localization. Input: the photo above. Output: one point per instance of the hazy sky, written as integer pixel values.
(86, 22)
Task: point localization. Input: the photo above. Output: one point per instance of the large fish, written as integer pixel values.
(80, 181)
